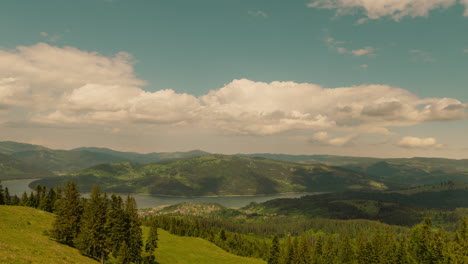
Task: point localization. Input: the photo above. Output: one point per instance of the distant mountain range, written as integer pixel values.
(219, 175)
(187, 176)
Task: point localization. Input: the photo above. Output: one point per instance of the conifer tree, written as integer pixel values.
(65, 228)
(116, 224)
(24, 199)
(274, 251)
(7, 199)
(15, 200)
(346, 250)
(151, 243)
(2, 200)
(92, 239)
(134, 240)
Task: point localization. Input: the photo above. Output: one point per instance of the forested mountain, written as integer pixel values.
(412, 171)
(11, 168)
(219, 175)
(70, 161)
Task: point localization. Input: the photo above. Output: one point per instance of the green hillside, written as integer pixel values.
(414, 171)
(11, 168)
(191, 250)
(218, 175)
(9, 147)
(22, 240)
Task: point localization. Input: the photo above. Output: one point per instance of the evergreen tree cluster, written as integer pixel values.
(420, 244)
(101, 227)
(106, 229)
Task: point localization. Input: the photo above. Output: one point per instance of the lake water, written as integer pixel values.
(148, 201)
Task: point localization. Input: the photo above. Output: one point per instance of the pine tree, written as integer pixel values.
(65, 228)
(15, 200)
(7, 199)
(134, 234)
(151, 243)
(274, 252)
(92, 239)
(24, 199)
(346, 250)
(116, 224)
(2, 200)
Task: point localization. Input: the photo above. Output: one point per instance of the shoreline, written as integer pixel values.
(227, 196)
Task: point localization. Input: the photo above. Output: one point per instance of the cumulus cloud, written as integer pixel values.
(415, 142)
(396, 9)
(44, 84)
(323, 138)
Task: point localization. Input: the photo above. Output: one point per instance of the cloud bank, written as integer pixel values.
(396, 9)
(64, 86)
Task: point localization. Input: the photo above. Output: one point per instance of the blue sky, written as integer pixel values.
(186, 55)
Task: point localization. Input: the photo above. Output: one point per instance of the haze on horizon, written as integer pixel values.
(357, 78)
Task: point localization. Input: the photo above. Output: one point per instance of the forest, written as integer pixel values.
(108, 229)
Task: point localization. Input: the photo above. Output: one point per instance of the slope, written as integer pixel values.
(190, 250)
(22, 238)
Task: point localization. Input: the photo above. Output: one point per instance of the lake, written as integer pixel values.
(18, 187)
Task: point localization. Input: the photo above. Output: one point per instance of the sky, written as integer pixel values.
(383, 78)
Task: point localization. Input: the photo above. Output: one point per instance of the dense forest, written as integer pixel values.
(108, 229)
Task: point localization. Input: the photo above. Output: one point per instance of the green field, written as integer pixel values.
(22, 240)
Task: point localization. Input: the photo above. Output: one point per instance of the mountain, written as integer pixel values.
(71, 161)
(218, 175)
(146, 158)
(9, 147)
(413, 171)
(12, 169)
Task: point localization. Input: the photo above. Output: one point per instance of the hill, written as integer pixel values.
(413, 171)
(11, 168)
(71, 161)
(23, 241)
(191, 250)
(218, 175)
(406, 207)
(146, 158)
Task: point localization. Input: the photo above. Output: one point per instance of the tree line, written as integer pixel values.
(104, 228)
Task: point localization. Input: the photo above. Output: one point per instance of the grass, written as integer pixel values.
(22, 238)
(190, 250)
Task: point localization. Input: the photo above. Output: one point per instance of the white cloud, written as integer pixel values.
(324, 139)
(364, 66)
(66, 86)
(465, 50)
(365, 51)
(338, 46)
(257, 13)
(44, 34)
(397, 9)
(415, 142)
